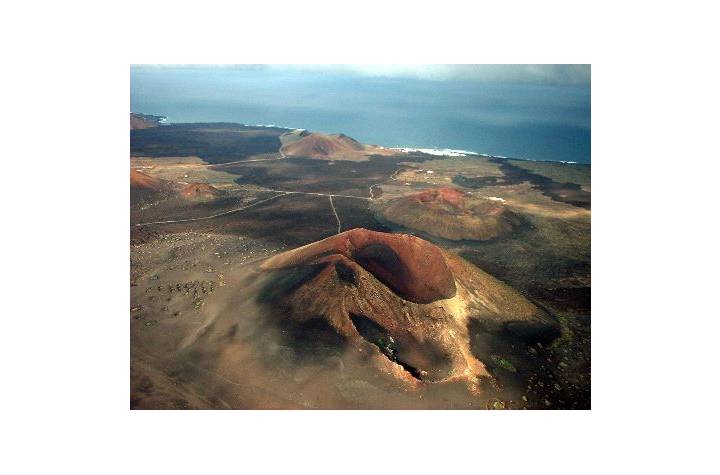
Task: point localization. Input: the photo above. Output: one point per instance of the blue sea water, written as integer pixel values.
(535, 122)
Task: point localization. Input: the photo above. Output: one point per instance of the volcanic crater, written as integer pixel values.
(451, 214)
(404, 300)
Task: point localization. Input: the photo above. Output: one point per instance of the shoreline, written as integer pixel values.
(440, 152)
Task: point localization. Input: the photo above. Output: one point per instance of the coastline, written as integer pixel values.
(163, 120)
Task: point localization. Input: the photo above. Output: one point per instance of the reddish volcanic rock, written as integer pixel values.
(321, 145)
(413, 268)
(449, 196)
(144, 181)
(200, 191)
(331, 147)
(146, 188)
(451, 214)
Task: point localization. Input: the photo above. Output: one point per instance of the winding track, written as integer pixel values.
(335, 213)
(392, 177)
(280, 193)
(170, 221)
(316, 194)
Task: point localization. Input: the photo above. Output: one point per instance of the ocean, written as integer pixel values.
(532, 122)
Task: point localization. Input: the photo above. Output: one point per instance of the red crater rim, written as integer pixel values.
(413, 268)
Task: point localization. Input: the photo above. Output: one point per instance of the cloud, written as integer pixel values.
(537, 74)
(540, 74)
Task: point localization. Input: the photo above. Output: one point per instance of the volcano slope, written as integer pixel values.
(200, 192)
(404, 301)
(451, 214)
(145, 188)
(331, 147)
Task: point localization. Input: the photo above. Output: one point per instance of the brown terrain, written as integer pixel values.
(451, 214)
(264, 279)
(200, 192)
(143, 181)
(331, 147)
(160, 192)
(402, 300)
(146, 188)
(139, 122)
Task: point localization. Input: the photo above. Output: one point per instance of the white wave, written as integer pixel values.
(445, 152)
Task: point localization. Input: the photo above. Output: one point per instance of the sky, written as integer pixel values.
(537, 74)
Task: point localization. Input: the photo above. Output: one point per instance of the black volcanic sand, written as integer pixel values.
(357, 214)
(537, 375)
(570, 193)
(547, 257)
(214, 143)
(176, 207)
(320, 176)
(554, 273)
(292, 220)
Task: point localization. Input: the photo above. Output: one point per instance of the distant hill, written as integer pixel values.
(143, 121)
(331, 147)
(143, 181)
(145, 188)
(200, 192)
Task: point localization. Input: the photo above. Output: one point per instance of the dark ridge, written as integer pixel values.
(346, 274)
(379, 336)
